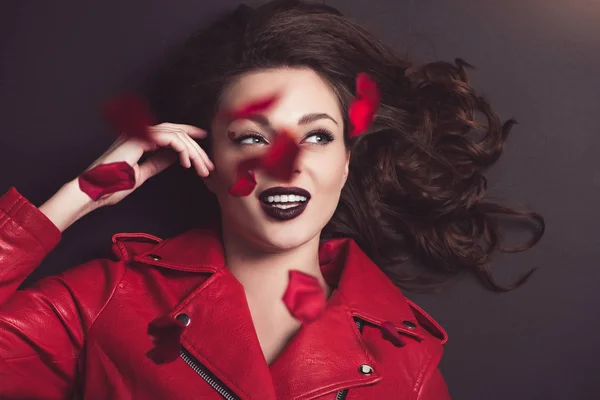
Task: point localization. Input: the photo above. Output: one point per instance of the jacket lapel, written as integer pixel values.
(221, 336)
(219, 333)
(324, 356)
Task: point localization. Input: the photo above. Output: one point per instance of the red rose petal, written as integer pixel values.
(390, 333)
(304, 297)
(364, 105)
(280, 160)
(246, 181)
(366, 87)
(361, 115)
(107, 178)
(255, 107)
(129, 115)
(244, 185)
(166, 334)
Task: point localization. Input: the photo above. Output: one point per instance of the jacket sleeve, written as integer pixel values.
(42, 328)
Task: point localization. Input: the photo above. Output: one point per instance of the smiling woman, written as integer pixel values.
(226, 310)
(309, 109)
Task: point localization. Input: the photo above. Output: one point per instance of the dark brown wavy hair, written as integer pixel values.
(416, 186)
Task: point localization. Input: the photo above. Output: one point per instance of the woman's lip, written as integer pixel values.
(281, 190)
(283, 214)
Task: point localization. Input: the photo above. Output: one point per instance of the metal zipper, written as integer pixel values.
(207, 376)
(217, 385)
(341, 395)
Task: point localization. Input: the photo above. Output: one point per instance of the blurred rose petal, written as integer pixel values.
(304, 297)
(390, 333)
(364, 105)
(280, 160)
(166, 333)
(246, 181)
(129, 115)
(107, 178)
(255, 107)
(366, 87)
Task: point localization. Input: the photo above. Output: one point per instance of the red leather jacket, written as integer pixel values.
(84, 333)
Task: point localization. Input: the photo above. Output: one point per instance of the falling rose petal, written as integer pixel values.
(255, 107)
(364, 105)
(304, 297)
(361, 116)
(107, 178)
(366, 87)
(165, 333)
(244, 185)
(246, 180)
(280, 160)
(390, 333)
(129, 115)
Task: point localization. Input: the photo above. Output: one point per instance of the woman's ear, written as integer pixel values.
(346, 168)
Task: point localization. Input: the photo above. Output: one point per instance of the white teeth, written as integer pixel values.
(284, 206)
(286, 198)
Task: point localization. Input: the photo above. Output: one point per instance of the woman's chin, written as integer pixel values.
(287, 238)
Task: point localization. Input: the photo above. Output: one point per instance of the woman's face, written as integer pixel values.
(307, 108)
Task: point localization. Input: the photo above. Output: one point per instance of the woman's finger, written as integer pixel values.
(155, 164)
(195, 156)
(206, 163)
(191, 130)
(169, 138)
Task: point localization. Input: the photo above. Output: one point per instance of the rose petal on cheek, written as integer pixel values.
(107, 178)
(280, 160)
(389, 332)
(304, 297)
(129, 115)
(246, 180)
(364, 105)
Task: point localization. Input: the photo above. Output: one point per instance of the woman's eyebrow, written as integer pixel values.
(305, 119)
(308, 118)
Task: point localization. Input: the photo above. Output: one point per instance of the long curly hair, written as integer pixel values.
(416, 185)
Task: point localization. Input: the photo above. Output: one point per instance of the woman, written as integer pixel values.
(409, 188)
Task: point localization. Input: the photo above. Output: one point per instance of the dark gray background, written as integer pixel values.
(538, 61)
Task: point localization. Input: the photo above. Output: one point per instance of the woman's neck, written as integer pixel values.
(265, 274)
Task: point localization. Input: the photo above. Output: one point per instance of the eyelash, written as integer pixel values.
(252, 134)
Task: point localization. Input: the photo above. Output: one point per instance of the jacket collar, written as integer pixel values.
(362, 291)
(368, 292)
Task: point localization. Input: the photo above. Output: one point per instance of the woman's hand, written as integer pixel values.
(170, 141)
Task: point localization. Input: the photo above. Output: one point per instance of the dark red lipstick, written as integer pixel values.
(284, 203)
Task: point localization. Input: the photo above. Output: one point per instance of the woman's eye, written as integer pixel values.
(251, 140)
(321, 137)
